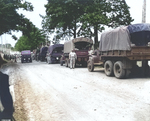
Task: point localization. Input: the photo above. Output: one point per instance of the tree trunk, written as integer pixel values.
(95, 37)
(75, 27)
(74, 33)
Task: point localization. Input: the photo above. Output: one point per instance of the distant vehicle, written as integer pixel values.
(42, 54)
(81, 46)
(54, 53)
(26, 56)
(120, 49)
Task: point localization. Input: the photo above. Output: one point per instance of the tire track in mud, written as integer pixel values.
(20, 113)
(26, 108)
(30, 101)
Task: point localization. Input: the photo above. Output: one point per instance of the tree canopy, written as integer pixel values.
(84, 17)
(31, 41)
(10, 18)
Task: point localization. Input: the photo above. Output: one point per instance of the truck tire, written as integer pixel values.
(90, 67)
(119, 72)
(108, 68)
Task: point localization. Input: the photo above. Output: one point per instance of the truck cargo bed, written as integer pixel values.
(136, 53)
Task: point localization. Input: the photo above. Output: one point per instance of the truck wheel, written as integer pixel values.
(108, 68)
(119, 72)
(90, 67)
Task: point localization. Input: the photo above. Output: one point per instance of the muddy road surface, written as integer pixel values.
(50, 92)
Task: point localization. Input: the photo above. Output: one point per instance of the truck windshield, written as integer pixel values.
(82, 46)
(58, 50)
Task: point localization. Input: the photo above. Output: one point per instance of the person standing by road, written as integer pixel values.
(6, 102)
(72, 57)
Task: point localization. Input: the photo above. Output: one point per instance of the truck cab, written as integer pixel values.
(94, 60)
(80, 46)
(54, 53)
(26, 56)
(42, 54)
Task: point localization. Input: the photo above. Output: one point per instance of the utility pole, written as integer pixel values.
(144, 12)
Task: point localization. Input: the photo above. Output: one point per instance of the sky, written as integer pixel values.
(135, 11)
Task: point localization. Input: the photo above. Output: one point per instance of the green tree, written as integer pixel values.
(101, 13)
(85, 18)
(10, 18)
(31, 41)
(62, 17)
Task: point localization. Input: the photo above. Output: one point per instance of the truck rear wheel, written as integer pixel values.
(119, 72)
(90, 67)
(108, 66)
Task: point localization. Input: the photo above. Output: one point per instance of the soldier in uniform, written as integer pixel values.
(6, 102)
(72, 57)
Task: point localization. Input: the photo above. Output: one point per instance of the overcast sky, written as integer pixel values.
(135, 10)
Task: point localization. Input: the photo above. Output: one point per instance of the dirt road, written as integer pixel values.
(50, 92)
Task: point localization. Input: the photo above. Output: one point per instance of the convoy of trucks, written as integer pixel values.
(120, 49)
(118, 53)
(80, 46)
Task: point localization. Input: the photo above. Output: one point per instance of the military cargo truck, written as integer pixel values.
(42, 54)
(26, 56)
(81, 46)
(121, 48)
(54, 53)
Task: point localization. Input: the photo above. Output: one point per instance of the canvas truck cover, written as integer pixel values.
(26, 52)
(117, 39)
(139, 34)
(52, 47)
(43, 50)
(139, 27)
(69, 46)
